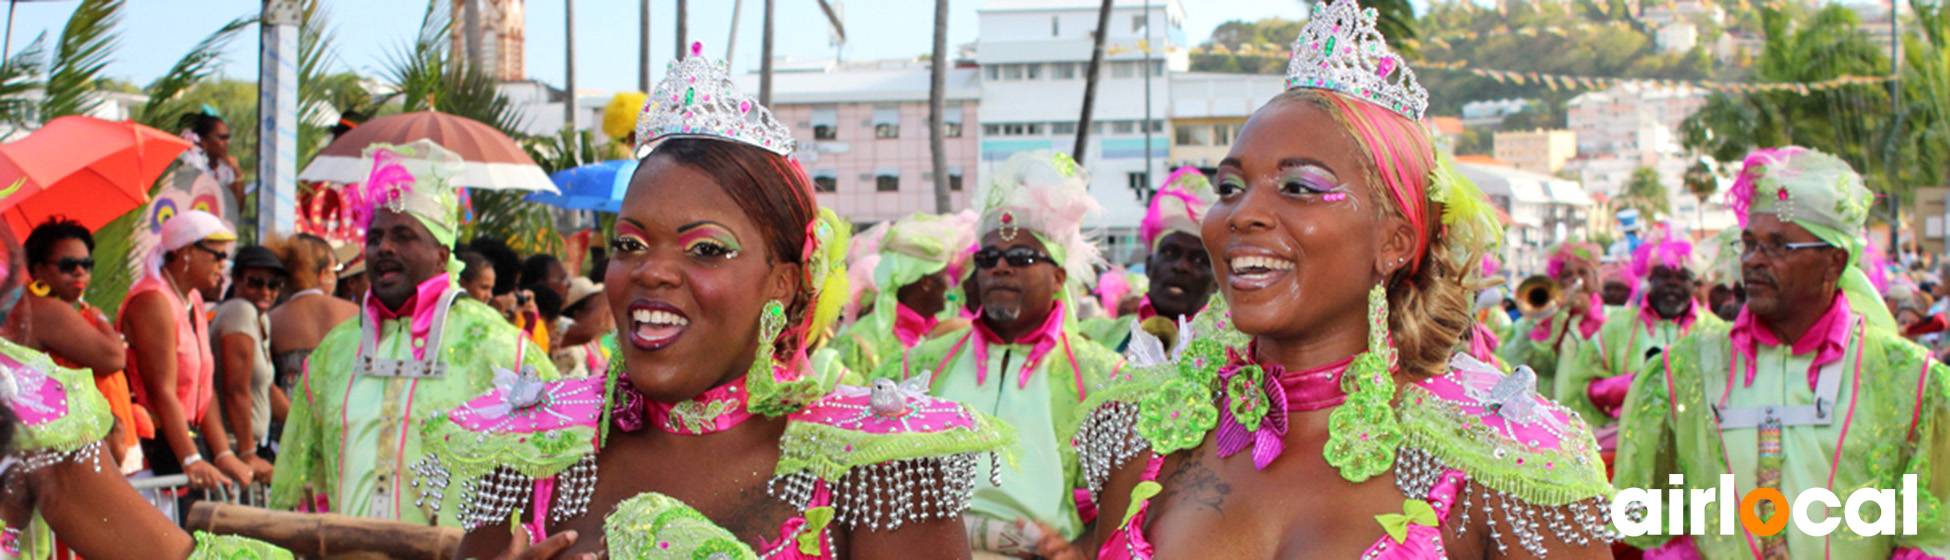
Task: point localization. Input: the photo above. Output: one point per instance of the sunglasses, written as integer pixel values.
(219, 255)
(263, 283)
(70, 265)
(1018, 257)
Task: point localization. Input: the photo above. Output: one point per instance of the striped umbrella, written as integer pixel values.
(493, 160)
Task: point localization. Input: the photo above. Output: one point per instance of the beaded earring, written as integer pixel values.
(1362, 432)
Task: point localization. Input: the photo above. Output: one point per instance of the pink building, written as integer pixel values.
(863, 136)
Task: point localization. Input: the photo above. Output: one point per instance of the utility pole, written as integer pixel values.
(937, 104)
(471, 13)
(1144, 191)
(731, 43)
(1090, 83)
(569, 99)
(643, 47)
(683, 34)
(765, 66)
(1895, 156)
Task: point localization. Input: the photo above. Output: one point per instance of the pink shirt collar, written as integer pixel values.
(1651, 317)
(1040, 342)
(911, 327)
(1828, 338)
(1145, 310)
(422, 305)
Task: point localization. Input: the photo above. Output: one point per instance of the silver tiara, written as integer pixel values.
(1340, 50)
(697, 99)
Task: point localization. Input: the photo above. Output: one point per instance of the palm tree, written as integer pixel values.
(937, 103)
(1646, 193)
(1701, 183)
(80, 56)
(1090, 82)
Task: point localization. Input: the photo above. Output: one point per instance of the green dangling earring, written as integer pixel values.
(1362, 433)
(770, 395)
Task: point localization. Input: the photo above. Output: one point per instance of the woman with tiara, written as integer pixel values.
(712, 435)
(1294, 421)
(57, 479)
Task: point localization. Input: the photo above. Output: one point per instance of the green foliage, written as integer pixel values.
(80, 54)
(1474, 143)
(1644, 192)
(320, 93)
(20, 74)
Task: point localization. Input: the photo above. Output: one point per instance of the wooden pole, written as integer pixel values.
(325, 535)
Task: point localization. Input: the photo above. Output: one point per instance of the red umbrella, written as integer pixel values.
(87, 169)
(493, 160)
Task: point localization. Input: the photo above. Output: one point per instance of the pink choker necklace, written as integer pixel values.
(713, 411)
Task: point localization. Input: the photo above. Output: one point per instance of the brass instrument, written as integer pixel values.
(1538, 296)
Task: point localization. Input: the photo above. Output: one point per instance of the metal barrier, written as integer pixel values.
(166, 493)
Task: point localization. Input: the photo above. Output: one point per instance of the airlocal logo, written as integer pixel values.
(1632, 522)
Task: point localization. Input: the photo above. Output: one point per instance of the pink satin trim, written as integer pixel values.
(1588, 324)
(424, 302)
(1828, 338)
(1041, 341)
(911, 327)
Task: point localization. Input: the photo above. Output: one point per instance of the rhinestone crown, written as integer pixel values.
(697, 99)
(1340, 50)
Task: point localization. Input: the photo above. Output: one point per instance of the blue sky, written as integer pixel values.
(154, 33)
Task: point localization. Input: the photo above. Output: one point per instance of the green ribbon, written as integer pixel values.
(816, 521)
(1416, 512)
(1144, 491)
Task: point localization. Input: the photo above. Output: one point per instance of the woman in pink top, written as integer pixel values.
(169, 350)
(1298, 418)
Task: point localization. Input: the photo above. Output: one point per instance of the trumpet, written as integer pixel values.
(1538, 296)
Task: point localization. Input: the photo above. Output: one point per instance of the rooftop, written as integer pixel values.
(857, 84)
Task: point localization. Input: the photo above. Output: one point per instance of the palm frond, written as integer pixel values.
(316, 91)
(18, 75)
(85, 47)
(418, 69)
(203, 60)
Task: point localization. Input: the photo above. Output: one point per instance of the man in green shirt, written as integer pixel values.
(1593, 381)
(1807, 389)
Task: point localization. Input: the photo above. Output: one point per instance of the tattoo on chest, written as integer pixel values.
(1195, 483)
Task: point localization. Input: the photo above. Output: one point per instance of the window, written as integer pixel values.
(1063, 128)
(1138, 180)
(1011, 71)
(1137, 22)
(1123, 127)
(991, 130)
(1123, 70)
(951, 120)
(1032, 71)
(1158, 127)
(1097, 128)
(1192, 135)
(887, 182)
(886, 121)
(1157, 68)
(1063, 70)
(826, 180)
(1222, 134)
(954, 178)
(825, 123)
(1032, 129)
(992, 73)
(1054, 28)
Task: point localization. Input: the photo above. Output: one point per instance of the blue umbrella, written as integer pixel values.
(597, 186)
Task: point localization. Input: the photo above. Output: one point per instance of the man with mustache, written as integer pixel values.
(1021, 359)
(913, 274)
(1807, 388)
(1178, 268)
(1541, 342)
(418, 348)
(1593, 382)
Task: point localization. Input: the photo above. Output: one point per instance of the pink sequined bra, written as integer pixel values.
(848, 459)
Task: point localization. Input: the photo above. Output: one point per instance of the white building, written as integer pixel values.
(1491, 113)
(1630, 120)
(1544, 211)
(1677, 37)
(538, 107)
(1034, 54)
(1209, 109)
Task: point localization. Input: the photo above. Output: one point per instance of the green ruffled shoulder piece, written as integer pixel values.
(1174, 393)
(227, 547)
(653, 526)
(539, 441)
(1513, 442)
(60, 409)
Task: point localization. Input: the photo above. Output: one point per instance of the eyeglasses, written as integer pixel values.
(219, 255)
(1018, 257)
(263, 283)
(1776, 249)
(70, 265)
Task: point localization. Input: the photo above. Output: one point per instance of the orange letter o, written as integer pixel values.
(1752, 522)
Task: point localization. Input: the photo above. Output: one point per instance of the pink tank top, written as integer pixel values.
(194, 365)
